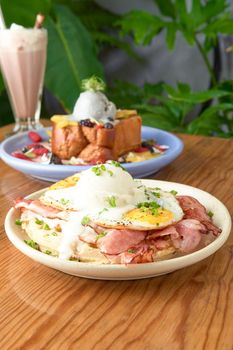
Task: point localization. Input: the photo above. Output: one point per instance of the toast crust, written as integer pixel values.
(96, 144)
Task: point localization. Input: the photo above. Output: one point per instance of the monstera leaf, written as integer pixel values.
(71, 56)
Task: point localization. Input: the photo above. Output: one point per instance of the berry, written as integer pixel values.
(99, 126)
(24, 149)
(87, 122)
(40, 151)
(34, 136)
(108, 125)
(20, 155)
(141, 149)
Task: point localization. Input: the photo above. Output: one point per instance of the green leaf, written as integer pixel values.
(210, 121)
(183, 88)
(71, 57)
(214, 8)
(166, 8)
(223, 25)
(171, 34)
(143, 25)
(103, 38)
(196, 97)
(158, 121)
(23, 11)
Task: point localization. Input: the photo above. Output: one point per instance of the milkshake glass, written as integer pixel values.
(23, 60)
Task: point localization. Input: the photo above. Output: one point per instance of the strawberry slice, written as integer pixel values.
(20, 156)
(40, 151)
(34, 136)
(141, 149)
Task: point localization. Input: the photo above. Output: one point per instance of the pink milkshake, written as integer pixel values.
(23, 60)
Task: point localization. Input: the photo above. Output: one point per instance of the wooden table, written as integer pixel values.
(41, 308)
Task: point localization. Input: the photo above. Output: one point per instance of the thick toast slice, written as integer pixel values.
(96, 143)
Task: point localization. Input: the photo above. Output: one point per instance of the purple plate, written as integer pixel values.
(53, 173)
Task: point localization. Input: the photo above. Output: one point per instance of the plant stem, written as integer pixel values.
(207, 62)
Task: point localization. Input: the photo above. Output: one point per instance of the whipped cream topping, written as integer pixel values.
(21, 38)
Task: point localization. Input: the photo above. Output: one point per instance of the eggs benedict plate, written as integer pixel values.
(103, 220)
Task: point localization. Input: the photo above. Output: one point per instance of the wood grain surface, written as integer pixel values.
(192, 308)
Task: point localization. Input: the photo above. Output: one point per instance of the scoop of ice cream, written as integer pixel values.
(93, 104)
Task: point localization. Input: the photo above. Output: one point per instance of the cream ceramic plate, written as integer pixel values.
(136, 271)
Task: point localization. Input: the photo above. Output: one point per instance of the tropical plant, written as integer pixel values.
(79, 30)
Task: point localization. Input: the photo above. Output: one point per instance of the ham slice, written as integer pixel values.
(39, 208)
(170, 230)
(139, 254)
(193, 209)
(189, 235)
(88, 236)
(118, 241)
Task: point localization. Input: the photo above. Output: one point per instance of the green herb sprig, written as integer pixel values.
(149, 206)
(112, 201)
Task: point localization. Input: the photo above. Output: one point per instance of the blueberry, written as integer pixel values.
(87, 122)
(108, 125)
(24, 149)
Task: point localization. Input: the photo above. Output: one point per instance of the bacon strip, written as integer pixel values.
(193, 209)
(39, 208)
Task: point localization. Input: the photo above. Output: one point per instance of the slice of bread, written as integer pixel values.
(95, 144)
(67, 141)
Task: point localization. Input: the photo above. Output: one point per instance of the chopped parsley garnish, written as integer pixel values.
(64, 201)
(39, 222)
(116, 164)
(112, 201)
(32, 244)
(18, 222)
(174, 192)
(156, 194)
(157, 188)
(149, 206)
(102, 211)
(147, 194)
(210, 214)
(85, 220)
(48, 252)
(99, 169)
(43, 224)
(100, 235)
(46, 227)
(54, 233)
